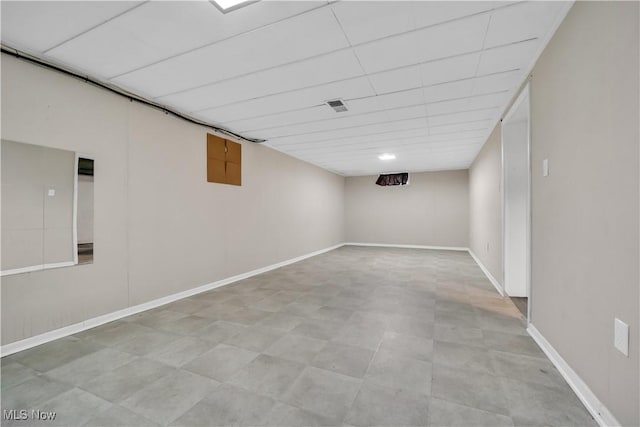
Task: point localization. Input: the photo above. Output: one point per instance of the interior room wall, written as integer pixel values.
(584, 265)
(159, 227)
(431, 211)
(37, 227)
(485, 205)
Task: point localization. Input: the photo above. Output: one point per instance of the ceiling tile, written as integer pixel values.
(389, 53)
(510, 57)
(497, 82)
(395, 80)
(317, 33)
(151, 32)
(453, 38)
(448, 70)
(461, 117)
(39, 25)
(445, 91)
(434, 12)
(317, 71)
(339, 122)
(522, 21)
(363, 21)
(347, 89)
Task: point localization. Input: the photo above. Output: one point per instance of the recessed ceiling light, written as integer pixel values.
(229, 5)
(387, 156)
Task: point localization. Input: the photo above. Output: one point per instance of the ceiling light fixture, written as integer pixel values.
(229, 5)
(387, 156)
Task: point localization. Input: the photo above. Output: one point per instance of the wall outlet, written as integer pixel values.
(621, 336)
(51, 192)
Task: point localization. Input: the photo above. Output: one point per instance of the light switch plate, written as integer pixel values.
(545, 167)
(621, 337)
(51, 192)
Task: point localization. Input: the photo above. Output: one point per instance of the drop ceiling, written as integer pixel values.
(424, 80)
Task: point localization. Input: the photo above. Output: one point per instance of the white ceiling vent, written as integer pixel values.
(338, 105)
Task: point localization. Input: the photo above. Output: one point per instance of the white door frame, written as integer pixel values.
(524, 96)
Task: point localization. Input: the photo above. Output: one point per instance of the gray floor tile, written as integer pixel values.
(187, 325)
(282, 321)
(470, 388)
(445, 414)
(221, 362)
(169, 397)
(227, 406)
(433, 320)
(464, 357)
(511, 343)
(318, 329)
(122, 382)
(267, 375)
(295, 347)
(343, 359)
(88, 367)
(459, 335)
(14, 373)
(389, 370)
(380, 406)
(56, 353)
(31, 393)
(283, 415)
(219, 331)
(407, 346)
(117, 416)
(528, 369)
(181, 352)
(323, 392)
(365, 337)
(332, 313)
(145, 342)
(534, 404)
(73, 407)
(255, 338)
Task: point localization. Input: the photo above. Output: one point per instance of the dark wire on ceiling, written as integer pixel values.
(131, 96)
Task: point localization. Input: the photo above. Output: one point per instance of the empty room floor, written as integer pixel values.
(357, 336)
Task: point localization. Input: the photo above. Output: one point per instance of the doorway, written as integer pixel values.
(516, 127)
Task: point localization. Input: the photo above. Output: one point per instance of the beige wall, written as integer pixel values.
(37, 228)
(485, 205)
(585, 230)
(159, 227)
(585, 214)
(432, 210)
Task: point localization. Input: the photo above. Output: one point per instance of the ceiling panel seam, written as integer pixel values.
(337, 80)
(80, 34)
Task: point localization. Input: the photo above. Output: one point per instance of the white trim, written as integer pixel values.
(26, 343)
(486, 272)
(596, 408)
(39, 267)
(388, 245)
(74, 248)
(524, 95)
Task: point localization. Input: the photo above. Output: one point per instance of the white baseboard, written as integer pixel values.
(36, 340)
(598, 410)
(486, 272)
(387, 245)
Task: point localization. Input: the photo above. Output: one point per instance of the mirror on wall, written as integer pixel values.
(47, 208)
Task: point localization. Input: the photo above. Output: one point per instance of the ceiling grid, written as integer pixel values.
(425, 80)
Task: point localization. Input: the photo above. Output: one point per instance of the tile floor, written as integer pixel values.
(357, 336)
